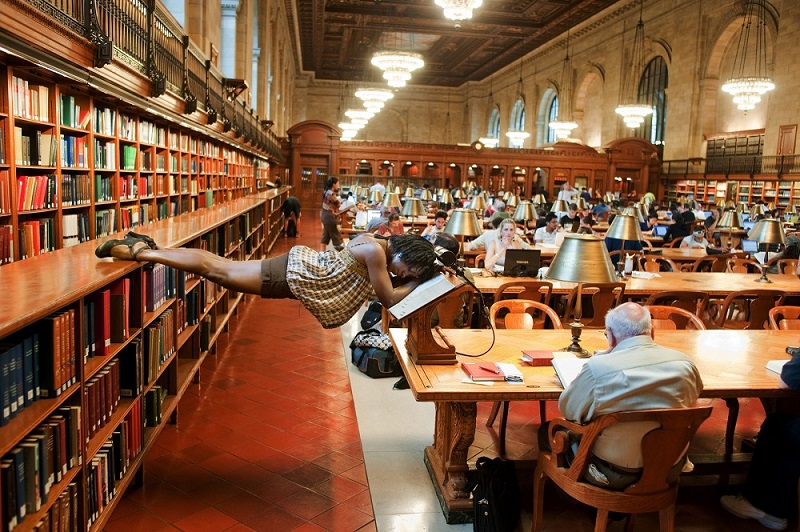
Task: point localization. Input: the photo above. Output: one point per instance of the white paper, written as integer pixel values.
(511, 372)
(644, 275)
(567, 368)
(776, 365)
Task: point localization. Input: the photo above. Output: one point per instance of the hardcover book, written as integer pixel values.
(483, 371)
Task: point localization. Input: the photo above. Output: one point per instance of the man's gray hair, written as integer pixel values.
(628, 320)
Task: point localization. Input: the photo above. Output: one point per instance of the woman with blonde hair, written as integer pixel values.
(506, 238)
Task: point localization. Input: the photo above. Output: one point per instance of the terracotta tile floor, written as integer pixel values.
(268, 439)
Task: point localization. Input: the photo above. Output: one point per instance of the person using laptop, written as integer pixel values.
(506, 238)
(433, 229)
(547, 233)
(571, 221)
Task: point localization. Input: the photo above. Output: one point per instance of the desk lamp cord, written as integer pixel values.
(459, 271)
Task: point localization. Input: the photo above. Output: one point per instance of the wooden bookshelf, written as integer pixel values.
(187, 312)
(75, 165)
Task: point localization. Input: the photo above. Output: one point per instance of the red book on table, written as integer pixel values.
(536, 357)
(483, 371)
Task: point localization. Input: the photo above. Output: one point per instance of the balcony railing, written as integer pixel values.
(145, 36)
(734, 165)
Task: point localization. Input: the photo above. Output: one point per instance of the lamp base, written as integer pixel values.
(576, 328)
(763, 279)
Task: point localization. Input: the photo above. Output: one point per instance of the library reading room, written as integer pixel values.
(399, 265)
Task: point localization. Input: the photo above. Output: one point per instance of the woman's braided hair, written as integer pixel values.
(416, 252)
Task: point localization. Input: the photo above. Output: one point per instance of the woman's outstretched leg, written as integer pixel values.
(241, 276)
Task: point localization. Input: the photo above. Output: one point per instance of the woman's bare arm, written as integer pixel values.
(493, 254)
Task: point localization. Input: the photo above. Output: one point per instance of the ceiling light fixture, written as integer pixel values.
(458, 10)
(374, 99)
(749, 81)
(397, 66)
(563, 125)
(632, 112)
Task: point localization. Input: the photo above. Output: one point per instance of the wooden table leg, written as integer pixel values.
(447, 458)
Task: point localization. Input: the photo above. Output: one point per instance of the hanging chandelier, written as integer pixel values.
(358, 116)
(632, 112)
(397, 66)
(749, 80)
(374, 99)
(563, 128)
(458, 10)
(517, 138)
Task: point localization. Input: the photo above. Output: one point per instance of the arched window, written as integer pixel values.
(552, 115)
(518, 116)
(493, 131)
(652, 90)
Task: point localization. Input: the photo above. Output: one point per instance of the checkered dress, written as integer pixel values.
(331, 285)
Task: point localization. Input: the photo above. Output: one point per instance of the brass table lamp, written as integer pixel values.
(392, 200)
(635, 212)
(769, 232)
(538, 199)
(582, 205)
(524, 212)
(426, 195)
(512, 201)
(409, 192)
(560, 206)
(411, 208)
(375, 197)
(445, 197)
(757, 210)
(478, 204)
(730, 220)
(581, 259)
(463, 223)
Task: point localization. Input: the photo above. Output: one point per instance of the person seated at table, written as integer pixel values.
(505, 238)
(392, 226)
(547, 233)
(586, 226)
(635, 373)
(439, 221)
(361, 216)
(770, 489)
(480, 241)
(601, 210)
(376, 222)
(571, 220)
(652, 221)
(681, 228)
(697, 240)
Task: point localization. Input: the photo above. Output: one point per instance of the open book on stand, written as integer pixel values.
(567, 368)
(429, 291)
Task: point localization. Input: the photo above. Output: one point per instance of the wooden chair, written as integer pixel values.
(673, 318)
(601, 297)
(676, 243)
(539, 291)
(748, 309)
(655, 491)
(784, 318)
(657, 263)
(455, 309)
(480, 260)
(712, 263)
(646, 245)
(522, 314)
(693, 301)
(742, 265)
(783, 265)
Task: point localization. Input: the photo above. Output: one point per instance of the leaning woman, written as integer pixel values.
(332, 285)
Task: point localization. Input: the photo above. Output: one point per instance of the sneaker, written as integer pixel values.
(741, 507)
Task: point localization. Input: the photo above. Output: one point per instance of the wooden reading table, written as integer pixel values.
(731, 363)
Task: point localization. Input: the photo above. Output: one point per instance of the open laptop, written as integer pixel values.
(373, 213)
(749, 246)
(748, 225)
(522, 262)
(660, 230)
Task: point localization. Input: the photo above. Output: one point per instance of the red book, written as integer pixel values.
(483, 371)
(537, 358)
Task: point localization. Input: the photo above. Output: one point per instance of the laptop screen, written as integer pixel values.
(745, 216)
(522, 262)
(748, 225)
(750, 246)
(373, 213)
(660, 230)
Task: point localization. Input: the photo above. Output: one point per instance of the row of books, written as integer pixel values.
(76, 189)
(128, 156)
(102, 397)
(36, 192)
(134, 216)
(105, 222)
(129, 186)
(33, 147)
(127, 127)
(30, 470)
(103, 190)
(74, 152)
(105, 154)
(153, 403)
(63, 514)
(74, 229)
(29, 100)
(159, 285)
(5, 192)
(111, 463)
(6, 244)
(37, 237)
(104, 121)
(159, 344)
(71, 113)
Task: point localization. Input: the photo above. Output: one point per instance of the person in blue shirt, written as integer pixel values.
(615, 244)
(770, 489)
(601, 210)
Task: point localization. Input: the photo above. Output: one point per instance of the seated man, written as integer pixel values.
(634, 374)
(547, 234)
(439, 221)
(571, 221)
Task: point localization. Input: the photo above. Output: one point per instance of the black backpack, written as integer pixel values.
(495, 498)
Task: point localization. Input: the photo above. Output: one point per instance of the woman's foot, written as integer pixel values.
(127, 248)
(144, 238)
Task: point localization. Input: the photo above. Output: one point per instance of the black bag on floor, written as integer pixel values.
(373, 353)
(495, 498)
(291, 229)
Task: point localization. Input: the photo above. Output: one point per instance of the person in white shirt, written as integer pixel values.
(436, 227)
(547, 233)
(696, 240)
(378, 186)
(507, 238)
(567, 193)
